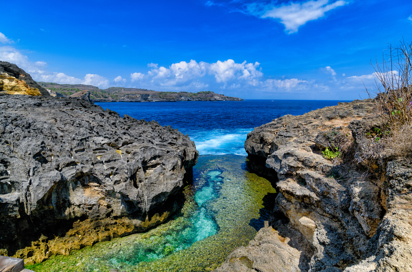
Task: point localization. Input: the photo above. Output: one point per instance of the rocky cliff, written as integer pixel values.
(73, 174)
(338, 208)
(120, 94)
(14, 80)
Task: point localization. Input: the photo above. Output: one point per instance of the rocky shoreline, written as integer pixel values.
(345, 214)
(120, 94)
(73, 174)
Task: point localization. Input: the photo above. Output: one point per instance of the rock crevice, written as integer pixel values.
(344, 213)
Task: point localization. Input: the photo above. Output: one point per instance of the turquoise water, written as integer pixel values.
(200, 225)
(223, 210)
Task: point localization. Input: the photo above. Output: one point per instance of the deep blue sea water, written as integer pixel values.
(218, 127)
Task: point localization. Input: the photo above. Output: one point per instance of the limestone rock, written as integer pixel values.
(267, 252)
(365, 195)
(351, 221)
(266, 139)
(14, 80)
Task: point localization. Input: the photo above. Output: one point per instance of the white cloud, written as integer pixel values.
(161, 72)
(57, 78)
(294, 14)
(38, 72)
(119, 79)
(410, 18)
(228, 70)
(96, 80)
(10, 54)
(362, 77)
(179, 73)
(362, 82)
(374, 76)
(40, 64)
(284, 84)
(184, 71)
(4, 39)
(183, 74)
(152, 65)
(136, 76)
(61, 78)
(328, 70)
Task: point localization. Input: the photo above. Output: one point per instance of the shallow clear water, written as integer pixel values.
(223, 208)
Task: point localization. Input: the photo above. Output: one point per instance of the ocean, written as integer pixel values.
(218, 127)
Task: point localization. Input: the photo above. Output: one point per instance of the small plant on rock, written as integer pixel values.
(330, 154)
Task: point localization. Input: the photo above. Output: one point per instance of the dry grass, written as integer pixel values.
(400, 142)
(394, 102)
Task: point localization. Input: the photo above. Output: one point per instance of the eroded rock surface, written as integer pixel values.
(68, 168)
(14, 80)
(268, 248)
(353, 212)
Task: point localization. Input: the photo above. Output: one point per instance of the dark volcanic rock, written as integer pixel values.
(65, 160)
(12, 71)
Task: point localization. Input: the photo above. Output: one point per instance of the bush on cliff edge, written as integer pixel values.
(394, 102)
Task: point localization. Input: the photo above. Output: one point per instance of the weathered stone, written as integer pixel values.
(351, 221)
(8, 264)
(267, 252)
(85, 95)
(14, 80)
(365, 205)
(66, 160)
(266, 139)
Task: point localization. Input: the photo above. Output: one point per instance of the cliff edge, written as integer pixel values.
(14, 80)
(73, 174)
(343, 204)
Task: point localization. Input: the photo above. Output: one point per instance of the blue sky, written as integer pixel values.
(316, 49)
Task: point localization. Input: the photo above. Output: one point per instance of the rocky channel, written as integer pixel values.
(73, 174)
(351, 213)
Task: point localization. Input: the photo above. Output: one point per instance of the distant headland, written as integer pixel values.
(120, 94)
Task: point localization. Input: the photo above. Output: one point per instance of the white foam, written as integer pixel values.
(221, 142)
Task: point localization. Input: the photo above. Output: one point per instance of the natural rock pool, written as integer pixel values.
(223, 210)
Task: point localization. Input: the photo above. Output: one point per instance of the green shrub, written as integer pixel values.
(330, 154)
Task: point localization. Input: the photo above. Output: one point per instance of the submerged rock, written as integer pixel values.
(70, 170)
(345, 213)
